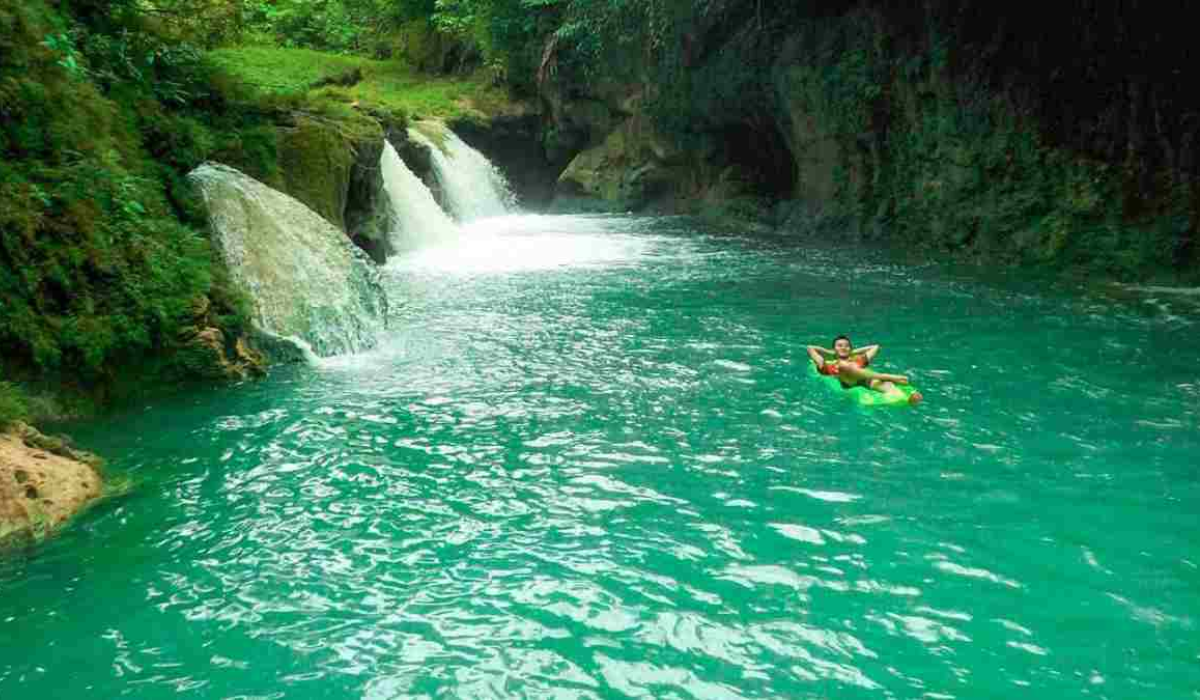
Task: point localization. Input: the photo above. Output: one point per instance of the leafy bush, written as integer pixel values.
(12, 405)
(329, 25)
(102, 255)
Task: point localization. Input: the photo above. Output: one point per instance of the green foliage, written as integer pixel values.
(64, 46)
(173, 73)
(13, 406)
(102, 259)
(201, 23)
(619, 38)
(508, 35)
(328, 25)
(286, 71)
(342, 26)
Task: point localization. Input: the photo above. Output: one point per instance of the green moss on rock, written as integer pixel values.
(316, 157)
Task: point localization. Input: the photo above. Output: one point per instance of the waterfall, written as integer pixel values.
(303, 276)
(416, 218)
(472, 186)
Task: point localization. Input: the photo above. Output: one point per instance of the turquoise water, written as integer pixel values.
(589, 462)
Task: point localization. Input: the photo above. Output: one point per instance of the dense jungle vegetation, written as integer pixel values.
(1064, 139)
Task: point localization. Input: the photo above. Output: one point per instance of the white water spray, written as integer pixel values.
(303, 276)
(472, 186)
(416, 219)
(528, 243)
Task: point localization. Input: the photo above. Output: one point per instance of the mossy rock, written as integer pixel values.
(632, 168)
(314, 162)
(316, 157)
(429, 50)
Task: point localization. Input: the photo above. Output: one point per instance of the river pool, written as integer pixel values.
(588, 460)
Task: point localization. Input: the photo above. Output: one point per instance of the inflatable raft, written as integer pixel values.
(903, 395)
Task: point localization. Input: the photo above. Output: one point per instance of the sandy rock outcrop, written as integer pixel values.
(43, 482)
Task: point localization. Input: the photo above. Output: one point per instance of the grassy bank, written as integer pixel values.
(388, 85)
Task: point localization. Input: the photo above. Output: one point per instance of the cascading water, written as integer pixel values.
(473, 187)
(305, 278)
(416, 218)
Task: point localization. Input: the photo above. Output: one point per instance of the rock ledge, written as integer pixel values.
(43, 482)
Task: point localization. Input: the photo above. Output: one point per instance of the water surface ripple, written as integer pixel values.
(589, 462)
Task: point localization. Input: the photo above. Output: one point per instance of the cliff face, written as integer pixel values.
(899, 142)
(951, 126)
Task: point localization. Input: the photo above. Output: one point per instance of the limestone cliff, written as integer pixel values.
(936, 126)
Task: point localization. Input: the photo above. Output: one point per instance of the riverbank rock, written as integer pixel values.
(316, 157)
(418, 156)
(43, 482)
(631, 167)
(206, 350)
(637, 168)
(367, 208)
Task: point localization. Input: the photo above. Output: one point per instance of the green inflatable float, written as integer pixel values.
(902, 395)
